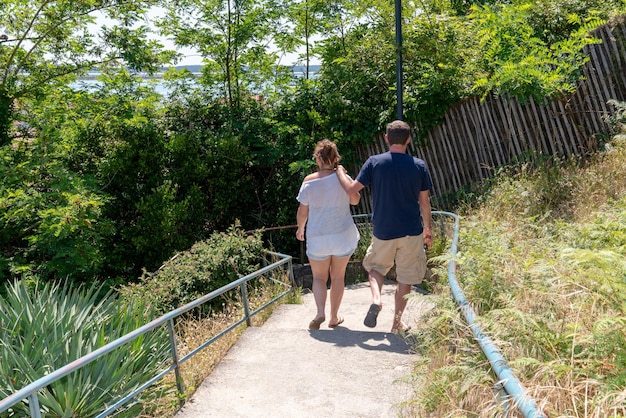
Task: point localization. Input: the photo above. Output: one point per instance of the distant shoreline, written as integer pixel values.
(196, 70)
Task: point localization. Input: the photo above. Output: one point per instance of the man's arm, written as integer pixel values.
(350, 186)
(355, 198)
(425, 211)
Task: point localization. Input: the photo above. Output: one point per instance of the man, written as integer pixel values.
(401, 219)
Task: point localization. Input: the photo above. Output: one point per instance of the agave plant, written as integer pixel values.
(46, 326)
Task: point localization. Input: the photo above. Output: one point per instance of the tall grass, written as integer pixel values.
(543, 263)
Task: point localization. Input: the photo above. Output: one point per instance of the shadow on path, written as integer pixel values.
(367, 340)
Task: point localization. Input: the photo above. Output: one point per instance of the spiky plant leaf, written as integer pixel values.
(46, 326)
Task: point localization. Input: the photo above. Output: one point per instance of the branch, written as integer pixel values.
(74, 69)
(43, 36)
(19, 43)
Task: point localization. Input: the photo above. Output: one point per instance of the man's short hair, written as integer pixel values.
(398, 132)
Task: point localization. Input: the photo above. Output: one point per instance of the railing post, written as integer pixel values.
(244, 298)
(502, 398)
(33, 405)
(174, 351)
(292, 277)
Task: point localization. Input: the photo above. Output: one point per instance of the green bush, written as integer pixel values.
(51, 222)
(45, 326)
(207, 266)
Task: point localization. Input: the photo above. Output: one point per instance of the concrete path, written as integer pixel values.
(282, 369)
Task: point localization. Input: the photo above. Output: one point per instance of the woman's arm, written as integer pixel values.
(301, 216)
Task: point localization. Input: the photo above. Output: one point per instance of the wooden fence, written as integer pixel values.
(477, 137)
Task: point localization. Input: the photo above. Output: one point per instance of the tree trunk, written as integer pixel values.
(6, 114)
(306, 37)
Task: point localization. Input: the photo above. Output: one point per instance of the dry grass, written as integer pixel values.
(197, 328)
(543, 265)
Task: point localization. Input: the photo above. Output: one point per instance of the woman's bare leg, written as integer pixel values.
(337, 284)
(320, 270)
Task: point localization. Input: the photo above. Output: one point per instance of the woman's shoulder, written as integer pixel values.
(318, 176)
(312, 176)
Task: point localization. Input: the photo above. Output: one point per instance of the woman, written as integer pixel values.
(331, 234)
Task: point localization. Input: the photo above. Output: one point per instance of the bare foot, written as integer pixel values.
(315, 324)
(400, 328)
(333, 324)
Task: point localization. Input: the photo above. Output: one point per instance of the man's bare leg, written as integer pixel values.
(402, 290)
(376, 281)
(376, 285)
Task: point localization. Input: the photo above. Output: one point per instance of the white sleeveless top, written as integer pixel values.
(330, 229)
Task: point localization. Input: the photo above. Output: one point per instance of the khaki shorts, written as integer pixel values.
(407, 253)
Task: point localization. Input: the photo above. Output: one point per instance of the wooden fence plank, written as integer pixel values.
(455, 154)
(470, 135)
(503, 126)
(447, 160)
(469, 169)
(619, 42)
(538, 129)
(603, 58)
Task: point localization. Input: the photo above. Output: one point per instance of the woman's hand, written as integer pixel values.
(300, 234)
(302, 216)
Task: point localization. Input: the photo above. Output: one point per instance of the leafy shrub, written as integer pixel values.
(51, 223)
(207, 266)
(46, 326)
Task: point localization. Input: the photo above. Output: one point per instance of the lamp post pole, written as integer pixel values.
(399, 110)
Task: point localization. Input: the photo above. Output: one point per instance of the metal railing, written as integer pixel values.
(507, 382)
(30, 393)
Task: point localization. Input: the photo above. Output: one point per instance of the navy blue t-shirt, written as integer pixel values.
(396, 180)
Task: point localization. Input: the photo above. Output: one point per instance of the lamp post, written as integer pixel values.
(399, 110)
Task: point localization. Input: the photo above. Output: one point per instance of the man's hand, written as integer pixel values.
(349, 185)
(428, 238)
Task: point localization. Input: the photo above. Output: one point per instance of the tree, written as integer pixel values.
(306, 17)
(509, 57)
(44, 42)
(434, 68)
(51, 220)
(234, 38)
(358, 72)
